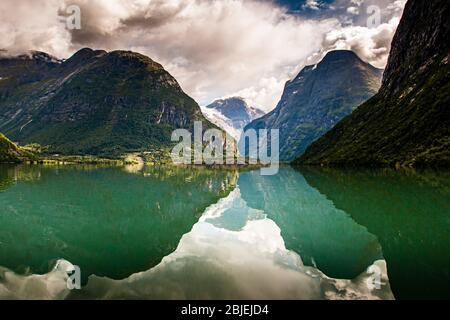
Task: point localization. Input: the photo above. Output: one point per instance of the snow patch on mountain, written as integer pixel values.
(231, 114)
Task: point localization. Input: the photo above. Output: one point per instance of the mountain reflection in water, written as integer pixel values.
(311, 235)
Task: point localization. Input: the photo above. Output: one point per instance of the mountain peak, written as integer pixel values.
(133, 58)
(232, 114)
(341, 58)
(95, 102)
(406, 123)
(45, 57)
(337, 58)
(318, 98)
(235, 101)
(37, 56)
(235, 107)
(84, 55)
(340, 55)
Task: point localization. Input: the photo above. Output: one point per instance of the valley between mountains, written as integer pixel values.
(339, 112)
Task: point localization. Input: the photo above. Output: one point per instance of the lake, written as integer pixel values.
(179, 233)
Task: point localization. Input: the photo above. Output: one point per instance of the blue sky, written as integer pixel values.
(323, 9)
(298, 5)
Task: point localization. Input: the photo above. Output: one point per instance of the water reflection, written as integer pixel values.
(106, 221)
(289, 236)
(311, 225)
(6, 177)
(409, 214)
(236, 252)
(11, 174)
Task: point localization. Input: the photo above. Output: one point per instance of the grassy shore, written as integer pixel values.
(73, 160)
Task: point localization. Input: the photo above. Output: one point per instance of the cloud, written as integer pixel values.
(353, 10)
(29, 24)
(215, 49)
(371, 44)
(357, 2)
(312, 4)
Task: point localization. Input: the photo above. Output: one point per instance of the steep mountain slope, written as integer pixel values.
(318, 98)
(231, 114)
(408, 122)
(95, 102)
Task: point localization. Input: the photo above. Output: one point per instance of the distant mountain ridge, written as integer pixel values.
(95, 102)
(232, 114)
(408, 122)
(318, 98)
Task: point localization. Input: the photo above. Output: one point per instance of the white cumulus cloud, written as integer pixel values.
(214, 49)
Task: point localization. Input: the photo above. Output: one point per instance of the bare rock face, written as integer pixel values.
(318, 98)
(408, 122)
(232, 114)
(422, 38)
(95, 102)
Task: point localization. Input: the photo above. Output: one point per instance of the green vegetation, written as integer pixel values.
(318, 98)
(409, 129)
(11, 153)
(33, 154)
(408, 123)
(8, 150)
(75, 160)
(95, 103)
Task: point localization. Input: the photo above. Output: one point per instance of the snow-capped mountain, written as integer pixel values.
(231, 114)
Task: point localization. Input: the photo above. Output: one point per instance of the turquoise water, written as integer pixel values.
(110, 222)
(162, 233)
(409, 212)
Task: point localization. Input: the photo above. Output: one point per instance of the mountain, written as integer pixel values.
(231, 114)
(408, 122)
(9, 152)
(95, 102)
(318, 98)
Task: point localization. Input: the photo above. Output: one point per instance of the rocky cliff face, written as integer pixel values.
(422, 38)
(318, 98)
(231, 114)
(93, 103)
(408, 122)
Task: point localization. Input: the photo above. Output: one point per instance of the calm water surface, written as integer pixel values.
(163, 233)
